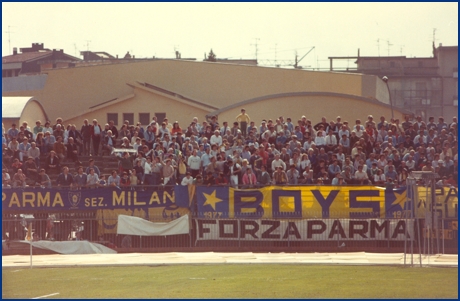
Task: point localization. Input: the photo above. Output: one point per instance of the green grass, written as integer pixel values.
(231, 281)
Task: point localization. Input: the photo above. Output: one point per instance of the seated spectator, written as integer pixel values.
(379, 178)
(64, 179)
(48, 142)
(102, 181)
(333, 169)
(109, 142)
(292, 175)
(60, 149)
(23, 148)
(209, 180)
(124, 180)
(44, 179)
(72, 151)
(34, 152)
(6, 179)
(249, 178)
(188, 179)
(337, 180)
(361, 177)
(30, 169)
(114, 179)
(92, 179)
(91, 165)
(52, 163)
(279, 176)
(19, 179)
(80, 178)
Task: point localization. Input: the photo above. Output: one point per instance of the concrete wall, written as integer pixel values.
(313, 108)
(33, 112)
(69, 93)
(143, 102)
(212, 83)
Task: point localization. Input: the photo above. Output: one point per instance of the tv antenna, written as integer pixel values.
(388, 46)
(434, 36)
(276, 47)
(401, 47)
(87, 44)
(378, 46)
(256, 45)
(9, 36)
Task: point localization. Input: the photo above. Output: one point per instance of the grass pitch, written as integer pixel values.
(231, 281)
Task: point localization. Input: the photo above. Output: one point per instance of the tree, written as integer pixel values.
(211, 56)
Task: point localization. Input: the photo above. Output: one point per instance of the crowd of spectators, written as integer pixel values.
(239, 153)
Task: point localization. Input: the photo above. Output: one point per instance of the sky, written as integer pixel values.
(232, 30)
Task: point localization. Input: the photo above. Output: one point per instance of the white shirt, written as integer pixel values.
(320, 140)
(186, 181)
(194, 162)
(331, 140)
(216, 140)
(147, 168)
(278, 163)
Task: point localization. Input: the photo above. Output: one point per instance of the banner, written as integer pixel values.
(131, 225)
(227, 202)
(303, 230)
(38, 199)
(318, 202)
(108, 219)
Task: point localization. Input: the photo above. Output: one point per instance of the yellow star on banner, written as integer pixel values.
(401, 199)
(211, 199)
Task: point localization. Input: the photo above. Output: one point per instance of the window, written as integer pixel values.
(160, 117)
(112, 116)
(420, 89)
(129, 117)
(144, 118)
(392, 64)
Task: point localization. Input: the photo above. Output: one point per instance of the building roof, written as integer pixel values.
(13, 106)
(306, 93)
(24, 57)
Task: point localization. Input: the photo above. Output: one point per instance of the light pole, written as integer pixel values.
(385, 79)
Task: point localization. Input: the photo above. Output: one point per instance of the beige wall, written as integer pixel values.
(33, 112)
(69, 93)
(216, 84)
(313, 108)
(143, 102)
(7, 122)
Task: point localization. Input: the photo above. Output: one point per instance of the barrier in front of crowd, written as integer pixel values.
(273, 217)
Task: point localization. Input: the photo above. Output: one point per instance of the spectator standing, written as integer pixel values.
(243, 120)
(86, 137)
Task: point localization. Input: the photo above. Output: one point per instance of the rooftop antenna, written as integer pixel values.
(401, 47)
(256, 45)
(434, 36)
(378, 46)
(87, 44)
(388, 46)
(276, 46)
(9, 37)
(75, 49)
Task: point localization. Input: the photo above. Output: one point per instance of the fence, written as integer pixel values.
(218, 234)
(330, 218)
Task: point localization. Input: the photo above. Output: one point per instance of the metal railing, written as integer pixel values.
(232, 234)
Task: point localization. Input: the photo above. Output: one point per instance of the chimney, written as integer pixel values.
(134, 56)
(117, 56)
(440, 44)
(15, 50)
